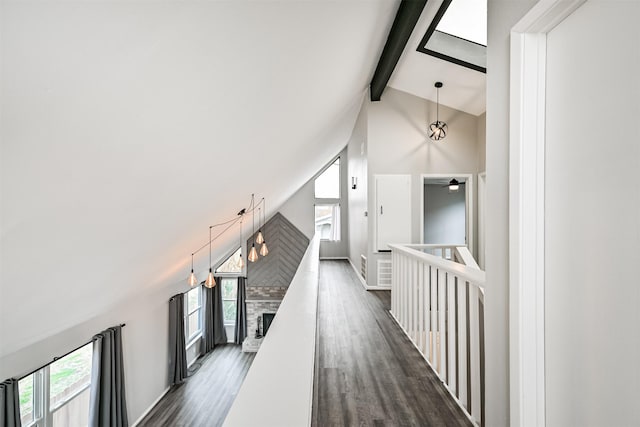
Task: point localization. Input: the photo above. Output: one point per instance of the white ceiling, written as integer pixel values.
(128, 128)
(416, 73)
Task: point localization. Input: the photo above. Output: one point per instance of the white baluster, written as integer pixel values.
(427, 298)
(442, 329)
(451, 332)
(434, 314)
(474, 351)
(462, 343)
(420, 297)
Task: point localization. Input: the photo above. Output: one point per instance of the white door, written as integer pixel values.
(393, 210)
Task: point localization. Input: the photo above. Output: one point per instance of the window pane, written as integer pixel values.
(229, 308)
(75, 413)
(194, 324)
(466, 19)
(327, 185)
(25, 388)
(231, 265)
(327, 220)
(69, 375)
(229, 288)
(193, 299)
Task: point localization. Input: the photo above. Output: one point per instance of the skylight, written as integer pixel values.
(466, 19)
(458, 34)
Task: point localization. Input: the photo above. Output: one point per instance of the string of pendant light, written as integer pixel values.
(210, 282)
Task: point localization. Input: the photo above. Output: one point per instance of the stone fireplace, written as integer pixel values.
(260, 300)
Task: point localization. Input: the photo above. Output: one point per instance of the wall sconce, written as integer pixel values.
(354, 182)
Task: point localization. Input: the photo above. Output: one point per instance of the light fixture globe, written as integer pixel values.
(264, 251)
(253, 254)
(193, 280)
(211, 281)
(438, 130)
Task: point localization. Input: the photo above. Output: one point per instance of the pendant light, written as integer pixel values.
(259, 237)
(192, 280)
(253, 254)
(241, 260)
(438, 129)
(211, 281)
(264, 251)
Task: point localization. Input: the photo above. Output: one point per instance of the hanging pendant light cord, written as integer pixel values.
(437, 105)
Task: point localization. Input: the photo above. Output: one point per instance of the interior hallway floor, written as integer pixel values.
(367, 371)
(205, 398)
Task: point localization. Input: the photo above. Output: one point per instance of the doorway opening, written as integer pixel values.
(446, 214)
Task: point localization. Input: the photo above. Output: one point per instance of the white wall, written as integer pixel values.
(592, 217)
(397, 143)
(357, 199)
(502, 15)
(444, 215)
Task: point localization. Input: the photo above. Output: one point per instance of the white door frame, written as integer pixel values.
(469, 201)
(482, 201)
(526, 209)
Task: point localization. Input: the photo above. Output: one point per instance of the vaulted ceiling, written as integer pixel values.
(129, 127)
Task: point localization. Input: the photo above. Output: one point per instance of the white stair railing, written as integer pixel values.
(437, 298)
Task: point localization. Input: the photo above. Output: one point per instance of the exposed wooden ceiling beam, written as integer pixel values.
(403, 25)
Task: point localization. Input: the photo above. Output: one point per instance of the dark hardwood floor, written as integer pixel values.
(367, 371)
(206, 397)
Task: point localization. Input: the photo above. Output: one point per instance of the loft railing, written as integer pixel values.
(278, 389)
(437, 298)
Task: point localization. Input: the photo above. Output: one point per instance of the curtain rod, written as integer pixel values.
(56, 358)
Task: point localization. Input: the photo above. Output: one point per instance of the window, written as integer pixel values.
(229, 294)
(192, 318)
(460, 35)
(65, 384)
(327, 206)
(466, 19)
(327, 185)
(327, 220)
(231, 265)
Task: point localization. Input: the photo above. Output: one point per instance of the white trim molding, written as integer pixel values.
(526, 209)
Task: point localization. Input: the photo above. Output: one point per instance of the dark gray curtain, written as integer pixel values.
(241, 311)
(9, 404)
(177, 345)
(107, 404)
(214, 332)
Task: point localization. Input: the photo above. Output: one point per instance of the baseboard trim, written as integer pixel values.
(329, 258)
(150, 408)
(362, 281)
